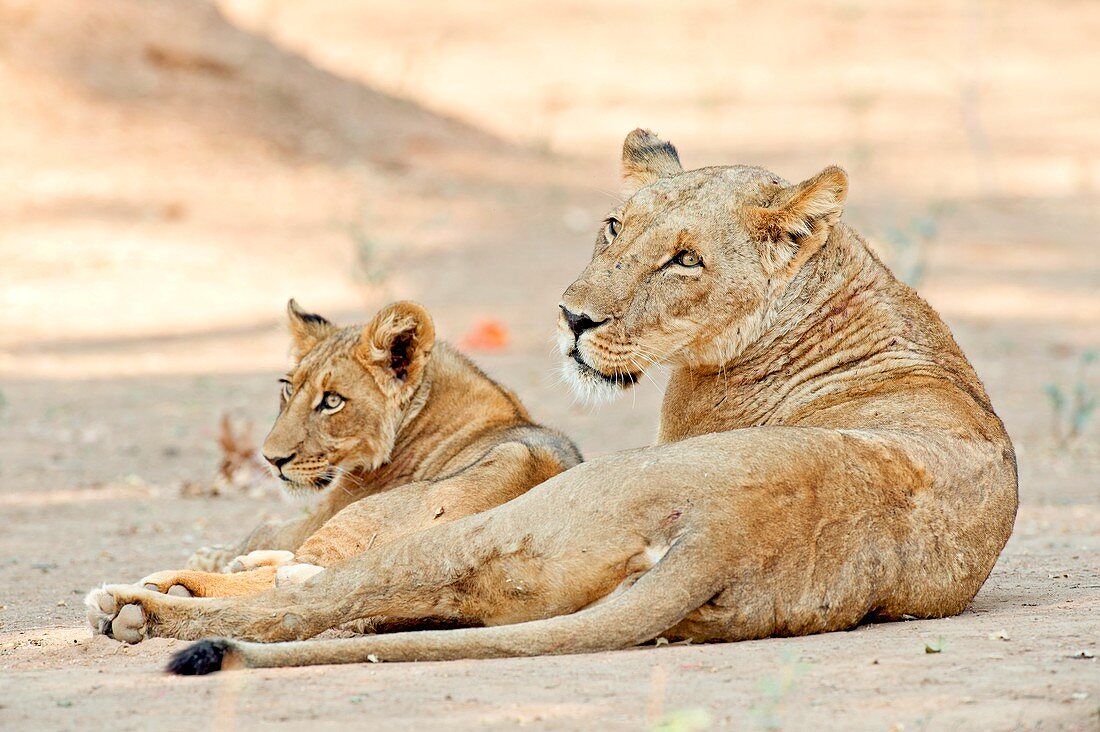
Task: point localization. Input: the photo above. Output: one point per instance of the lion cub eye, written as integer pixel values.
(688, 259)
(287, 390)
(331, 402)
(612, 228)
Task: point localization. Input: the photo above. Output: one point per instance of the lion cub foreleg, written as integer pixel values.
(278, 535)
(504, 472)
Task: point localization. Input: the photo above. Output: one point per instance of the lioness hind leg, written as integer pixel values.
(501, 566)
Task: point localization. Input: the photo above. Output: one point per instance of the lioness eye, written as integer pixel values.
(287, 390)
(613, 227)
(331, 402)
(688, 259)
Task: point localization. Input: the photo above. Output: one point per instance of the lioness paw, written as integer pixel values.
(295, 574)
(259, 558)
(114, 619)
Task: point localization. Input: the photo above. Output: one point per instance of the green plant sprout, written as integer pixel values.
(910, 242)
(777, 691)
(1073, 406)
(369, 270)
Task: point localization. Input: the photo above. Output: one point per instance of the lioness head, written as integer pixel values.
(687, 270)
(342, 403)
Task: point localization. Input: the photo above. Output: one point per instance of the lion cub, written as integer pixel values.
(399, 430)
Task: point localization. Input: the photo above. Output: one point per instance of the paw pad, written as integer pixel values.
(129, 625)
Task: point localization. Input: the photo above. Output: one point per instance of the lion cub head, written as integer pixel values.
(344, 400)
(687, 270)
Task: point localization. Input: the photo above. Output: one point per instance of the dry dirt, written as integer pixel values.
(173, 172)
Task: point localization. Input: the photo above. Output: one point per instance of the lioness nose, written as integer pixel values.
(579, 322)
(278, 460)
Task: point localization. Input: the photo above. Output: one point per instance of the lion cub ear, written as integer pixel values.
(647, 158)
(799, 220)
(396, 344)
(306, 330)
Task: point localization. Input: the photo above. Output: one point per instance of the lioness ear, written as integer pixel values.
(646, 158)
(306, 329)
(396, 344)
(799, 219)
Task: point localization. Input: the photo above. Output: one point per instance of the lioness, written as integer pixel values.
(827, 455)
(404, 433)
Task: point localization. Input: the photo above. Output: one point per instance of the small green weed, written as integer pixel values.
(1073, 405)
(777, 691)
(910, 244)
(369, 269)
(689, 719)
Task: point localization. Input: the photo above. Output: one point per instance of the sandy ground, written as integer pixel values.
(172, 175)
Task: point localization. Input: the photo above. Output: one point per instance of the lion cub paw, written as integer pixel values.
(260, 558)
(167, 583)
(295, 574)
(115, 620)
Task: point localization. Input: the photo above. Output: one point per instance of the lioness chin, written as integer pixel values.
(826, 455)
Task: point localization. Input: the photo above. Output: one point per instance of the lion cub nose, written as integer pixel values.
(278, 460)
(579, 322)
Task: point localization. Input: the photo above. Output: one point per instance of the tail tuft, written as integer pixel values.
(204, 657)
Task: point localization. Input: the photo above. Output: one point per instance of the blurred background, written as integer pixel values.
(172, 171)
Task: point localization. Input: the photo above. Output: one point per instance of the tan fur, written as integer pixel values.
(827, 455)
(432, 442)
